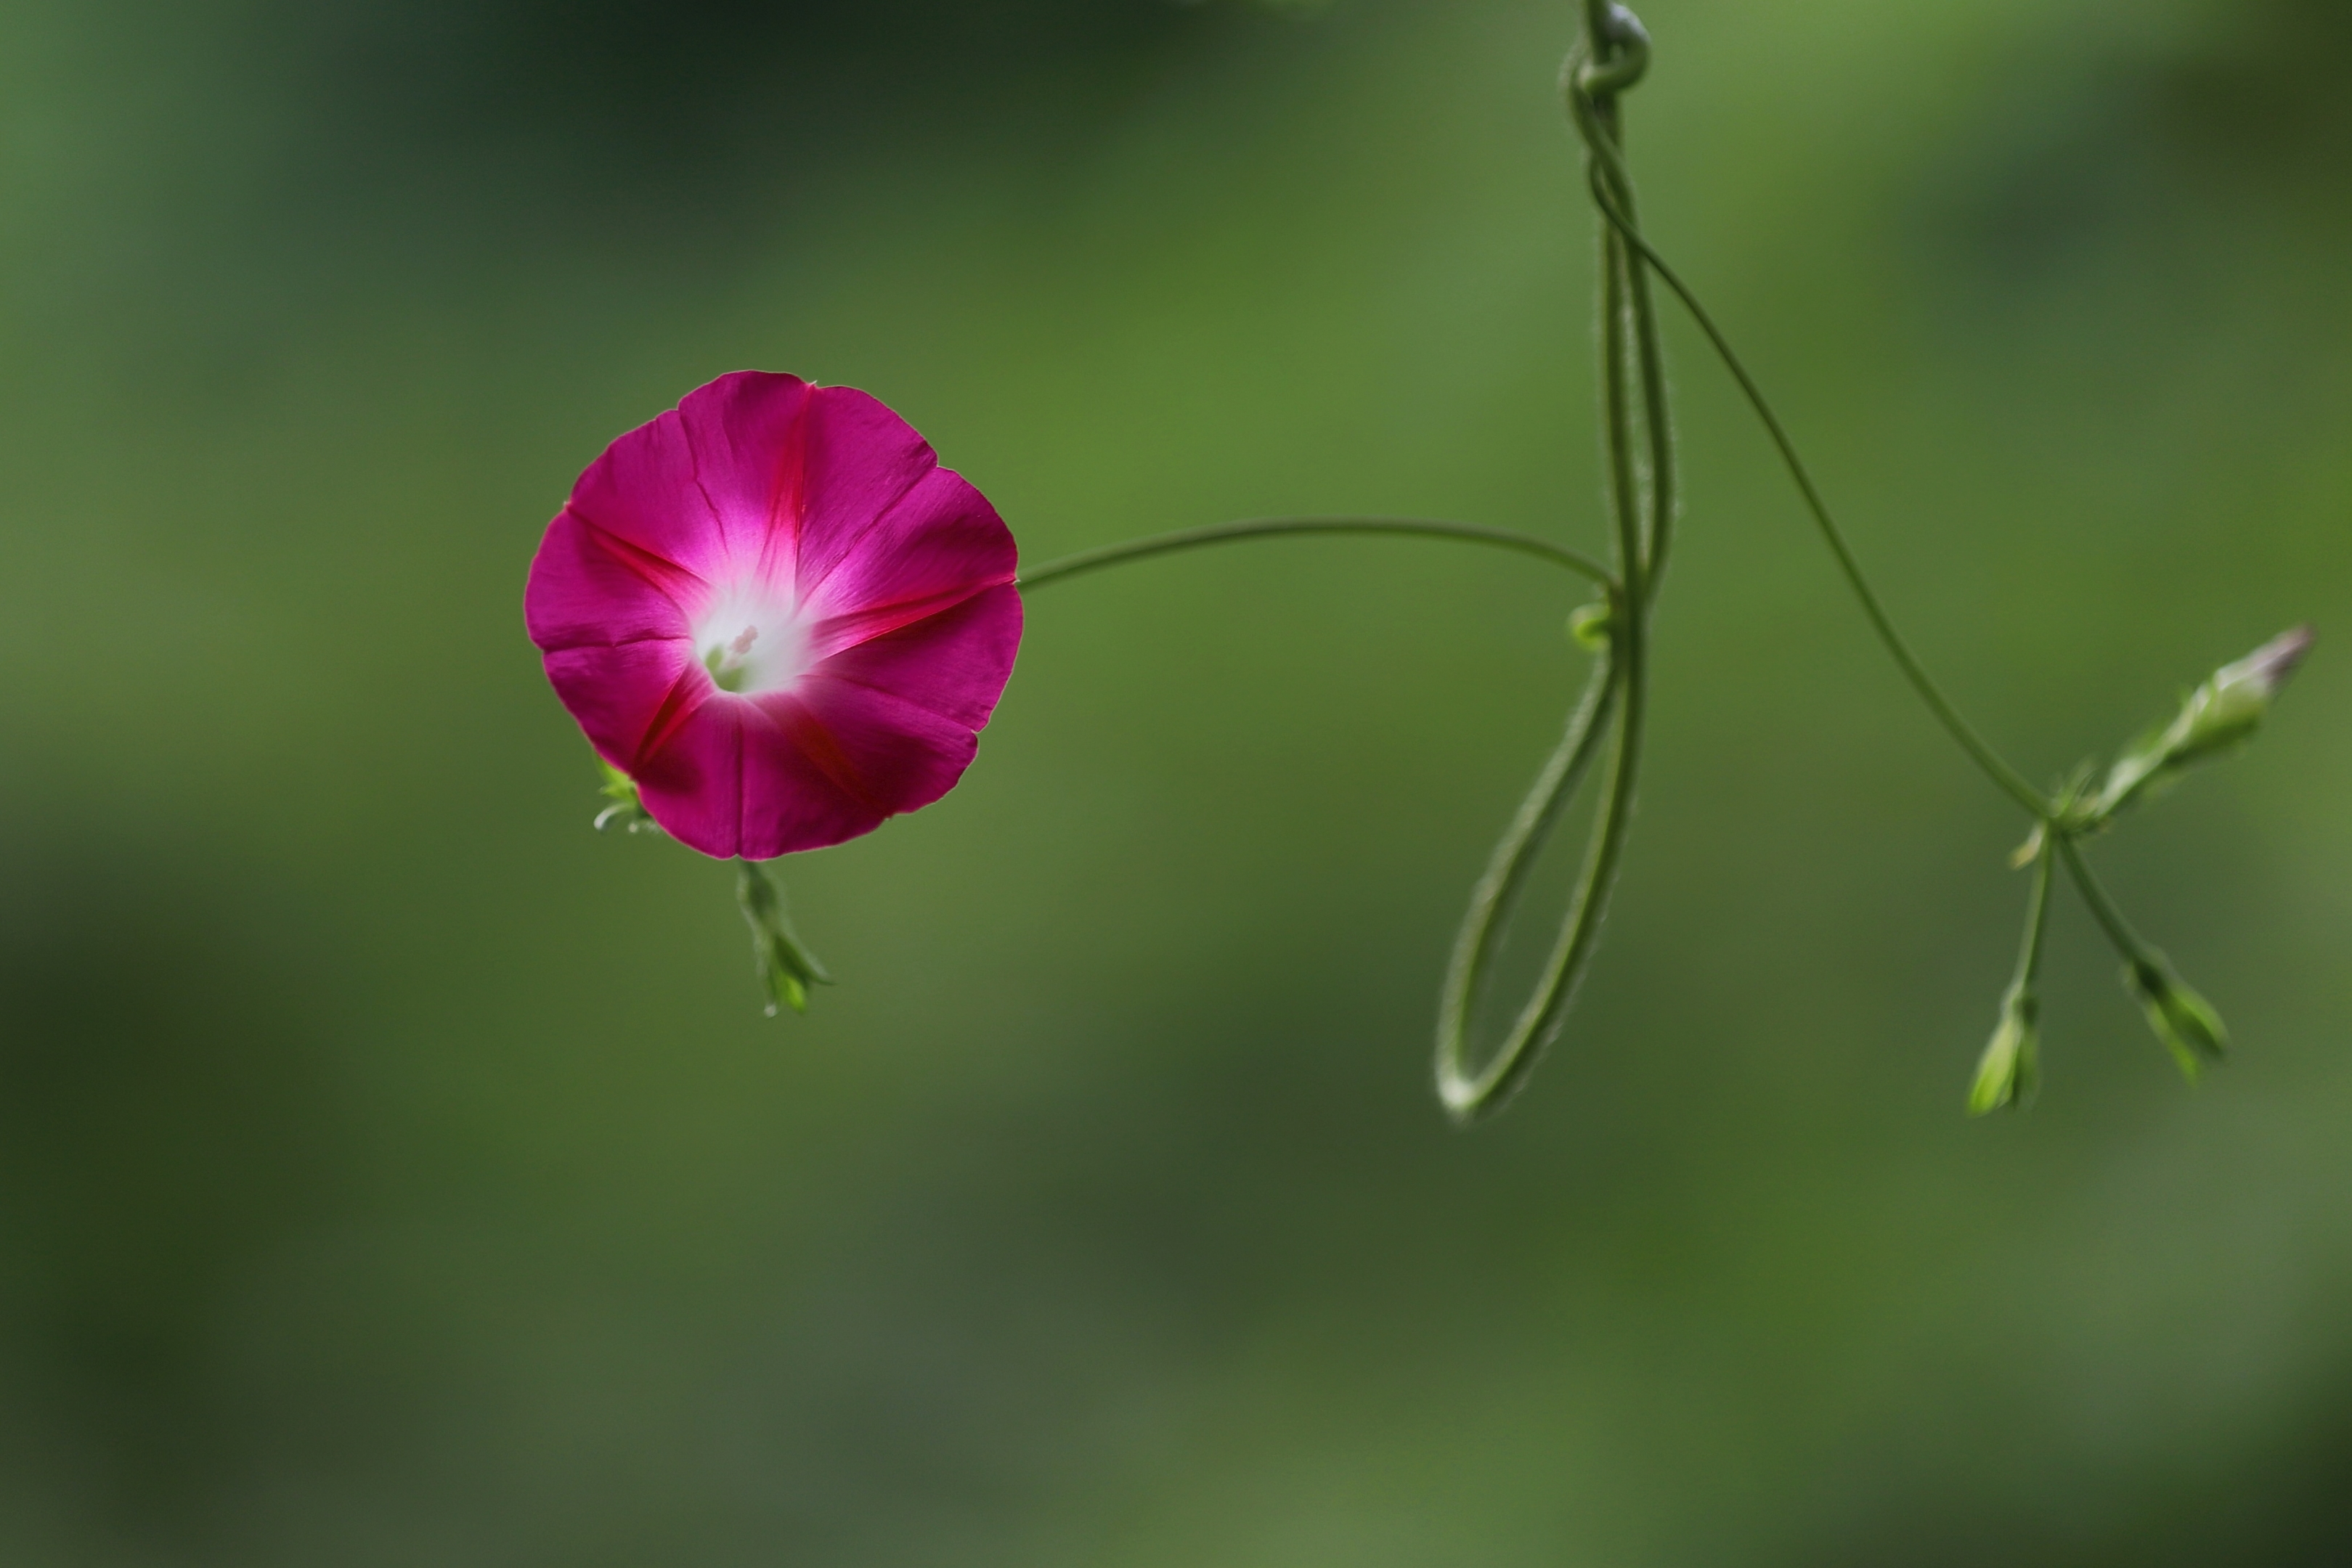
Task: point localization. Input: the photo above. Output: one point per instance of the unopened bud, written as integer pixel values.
(1590, 626)
(2011, 1068)
(786, 968)
(2184, 1021)
(2222, 713)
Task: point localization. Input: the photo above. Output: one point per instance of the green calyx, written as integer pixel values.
(626, 811)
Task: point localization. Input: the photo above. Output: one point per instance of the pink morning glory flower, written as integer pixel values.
(774, 610)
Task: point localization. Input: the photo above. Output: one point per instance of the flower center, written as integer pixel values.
(750, 642)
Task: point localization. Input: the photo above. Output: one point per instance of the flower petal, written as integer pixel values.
(748, 432)
(643, 491)
(859, 460)
(940, 544)
(800, 770)
(627, 697)
(954, 664)
(590, 589)
(693, 786)
(879, 751)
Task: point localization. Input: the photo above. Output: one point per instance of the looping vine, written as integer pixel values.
(1639, 448)
(1639, 462)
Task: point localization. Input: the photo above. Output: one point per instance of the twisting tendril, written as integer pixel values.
(1639, 452)
(1639, 459)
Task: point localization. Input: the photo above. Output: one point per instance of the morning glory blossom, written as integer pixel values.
(774, 610)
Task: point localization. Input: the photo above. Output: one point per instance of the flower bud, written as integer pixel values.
(2217, 717)
(2184, 1021)
(786, 967)
(2010, 1068)
(1590, 626)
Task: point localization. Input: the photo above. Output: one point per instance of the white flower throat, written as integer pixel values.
(751, 641)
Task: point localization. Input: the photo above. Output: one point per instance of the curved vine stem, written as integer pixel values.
(1466, 1091)
(1620, 219)
(1264, 528)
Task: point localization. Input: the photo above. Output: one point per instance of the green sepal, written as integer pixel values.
(2185, 1021)
(786, 968)
(626, 811)
(2009, 1071)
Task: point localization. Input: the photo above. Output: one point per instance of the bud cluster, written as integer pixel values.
(2218, 717)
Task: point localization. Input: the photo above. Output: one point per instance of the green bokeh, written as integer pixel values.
(393, 1172)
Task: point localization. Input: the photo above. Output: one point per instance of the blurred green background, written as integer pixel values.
(393, 1172)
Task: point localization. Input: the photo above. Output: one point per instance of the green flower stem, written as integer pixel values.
(1264, 528)
(1617, 423)
(2128, 945)
(1639, 450)
(787, 969)
(2037, 909)
(2184, 1022)
(2009, 1068)
(1991, 761)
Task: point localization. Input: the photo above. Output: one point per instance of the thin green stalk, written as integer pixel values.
(1657, 420)
(1263, 528)
(1991, 761)
(2128, 942)
(1602, 126)
(2009, 1068)
(1616, 420)
(2037, 909)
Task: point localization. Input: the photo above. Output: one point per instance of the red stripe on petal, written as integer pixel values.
(666, 577)
(794, 794)
(581, 595)
(645, 489)
(954, 664)
(688, 695)
(616, 691)
(807, 733)
(694, 785)
(861, 461)
(942, 542)
(749, 431)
